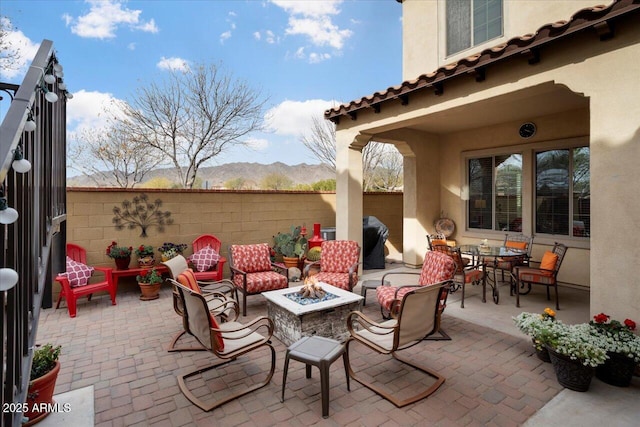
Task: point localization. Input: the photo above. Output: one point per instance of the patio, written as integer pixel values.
(118, 353)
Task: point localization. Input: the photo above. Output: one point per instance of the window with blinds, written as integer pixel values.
(472, 22)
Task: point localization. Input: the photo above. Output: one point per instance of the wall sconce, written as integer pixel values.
(8, 278)
(7, 215)
(20, 164)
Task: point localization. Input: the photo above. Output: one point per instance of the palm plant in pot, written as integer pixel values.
(291, 246)
(42, 381)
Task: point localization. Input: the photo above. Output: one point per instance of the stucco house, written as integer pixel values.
(516, 115)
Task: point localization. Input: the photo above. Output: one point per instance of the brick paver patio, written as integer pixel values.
(492, 378)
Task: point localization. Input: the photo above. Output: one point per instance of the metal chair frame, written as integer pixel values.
(558, 249)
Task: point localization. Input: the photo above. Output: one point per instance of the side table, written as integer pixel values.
(370, 284)
(321, 352)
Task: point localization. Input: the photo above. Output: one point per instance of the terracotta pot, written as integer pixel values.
(122, 263)
(149, 292)
(40, 396)
(290, 261)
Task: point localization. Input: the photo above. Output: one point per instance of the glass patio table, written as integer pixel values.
(491, 254)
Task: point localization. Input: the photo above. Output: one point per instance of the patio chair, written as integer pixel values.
(473, 272)
(436, 239)
(252, 271)
(227, 342)
(437, 269)
(514, 241)
(417, 319)
(546, 274)
(338, 264)
(208, 263)
(75, 281)
(218, 295)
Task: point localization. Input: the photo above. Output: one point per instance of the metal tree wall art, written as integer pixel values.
(141, 213)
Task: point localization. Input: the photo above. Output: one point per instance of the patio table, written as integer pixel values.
(495, 252)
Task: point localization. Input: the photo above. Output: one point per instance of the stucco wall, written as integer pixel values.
(234, 217)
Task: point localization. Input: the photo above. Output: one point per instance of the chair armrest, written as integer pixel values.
(367, 323)
(354, 267)
(248, 328)
(282, 270)
(307, 267)
(224, 286)
(222, 305)
(236, 270)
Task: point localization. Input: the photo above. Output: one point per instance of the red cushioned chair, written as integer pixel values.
(338, 264)
(72, 293)
(252, 271)
(215, 272)
(437, 268)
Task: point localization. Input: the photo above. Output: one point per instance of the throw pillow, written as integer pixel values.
(77, 273)
(549, 260)
(204, 259)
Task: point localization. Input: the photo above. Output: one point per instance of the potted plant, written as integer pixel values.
(120, 254)
(622, 347)
(575, 352)
(291, 246)
(532, 324)
(42, 381)
(169, 250)
(149, 281)
(145, 255)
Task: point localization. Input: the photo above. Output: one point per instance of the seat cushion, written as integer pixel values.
(205, 258)
(536, 275)
(77, 273)
(473, 276)
(260, 282)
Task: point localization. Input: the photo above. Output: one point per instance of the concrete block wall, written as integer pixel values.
(234, 217)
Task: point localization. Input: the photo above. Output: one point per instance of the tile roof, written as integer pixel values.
(599, 18)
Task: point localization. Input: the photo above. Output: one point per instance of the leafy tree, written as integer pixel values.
(158, 182)
(236, 184)
(193, 116)
(322, 143)
(276, 181)
(9, 54)
(324, 185)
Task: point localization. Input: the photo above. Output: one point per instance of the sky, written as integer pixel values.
(303, 55)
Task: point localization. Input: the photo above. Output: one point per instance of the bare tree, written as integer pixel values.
(376, 157)
(193, 116)
(111, 155)
(9, 54)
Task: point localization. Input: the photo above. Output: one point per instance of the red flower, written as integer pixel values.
(630, 324)
(601, 318)
(141, 248)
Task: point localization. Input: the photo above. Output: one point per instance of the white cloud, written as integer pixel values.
(256, 35)
(173, 63)
(86, 111)
(105, 17)
(295, 118)
(131, 46)
(271, 38)
(258, 144)
(313, 19)
(224, 36)
(19, 46)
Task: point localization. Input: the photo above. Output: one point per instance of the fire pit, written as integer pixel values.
(296, 316)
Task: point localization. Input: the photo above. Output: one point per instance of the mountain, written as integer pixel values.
(216, 176)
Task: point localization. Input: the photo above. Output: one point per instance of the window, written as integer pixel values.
(557, 201)
(495, 192)
(472, 22)
(563, 192)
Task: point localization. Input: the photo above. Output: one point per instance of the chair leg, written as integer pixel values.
(518, 292)
(555, 285)
(173, 346)
(391, 398)
(212, 405)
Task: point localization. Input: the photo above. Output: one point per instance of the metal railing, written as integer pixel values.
(34, 245)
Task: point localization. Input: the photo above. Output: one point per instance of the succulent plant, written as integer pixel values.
(314, 254)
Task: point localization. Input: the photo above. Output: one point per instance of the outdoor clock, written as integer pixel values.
(527, 130)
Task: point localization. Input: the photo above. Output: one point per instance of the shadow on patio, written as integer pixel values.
(118, 353)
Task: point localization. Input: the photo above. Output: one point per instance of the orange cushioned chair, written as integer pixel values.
(252, 271)
(75, 281)
(215, 270)
(546, 274)
(338, 264)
